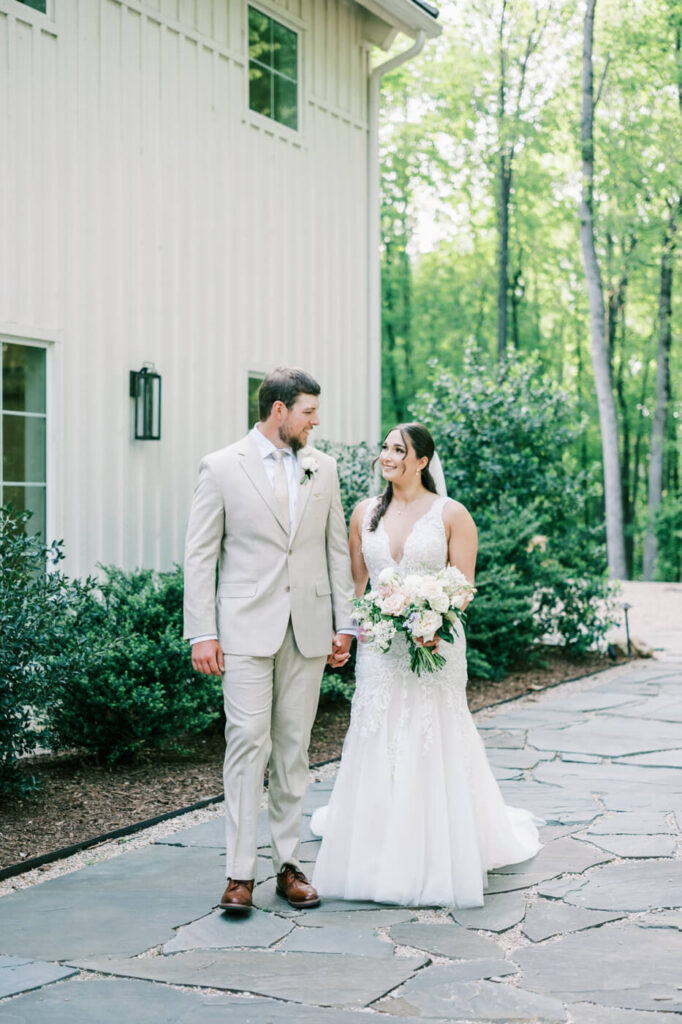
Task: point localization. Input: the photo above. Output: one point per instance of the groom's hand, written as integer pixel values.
(207, 658)
(340, 650)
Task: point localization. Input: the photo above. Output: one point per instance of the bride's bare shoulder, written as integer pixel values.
(456, 514)
(359, 512)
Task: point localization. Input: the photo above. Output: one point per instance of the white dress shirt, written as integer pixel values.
(266, 448)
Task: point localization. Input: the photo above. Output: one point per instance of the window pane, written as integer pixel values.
(254, 385)
(31, 498)
(23, 378)
(286, 107)
(260, 83)
(260, 40)
(284, 50)
(37, 5)
(23, 449)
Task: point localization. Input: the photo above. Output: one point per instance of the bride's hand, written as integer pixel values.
(433, 644)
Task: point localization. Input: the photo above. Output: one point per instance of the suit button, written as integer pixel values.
(290, 552)
(287, 589)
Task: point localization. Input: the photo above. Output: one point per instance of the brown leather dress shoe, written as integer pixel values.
(237, 896)
(295, 888)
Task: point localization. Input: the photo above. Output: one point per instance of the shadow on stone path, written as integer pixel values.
(588, 932)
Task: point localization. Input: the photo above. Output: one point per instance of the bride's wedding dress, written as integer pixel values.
(416, 816)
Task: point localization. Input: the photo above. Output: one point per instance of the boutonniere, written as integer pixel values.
(310, 466)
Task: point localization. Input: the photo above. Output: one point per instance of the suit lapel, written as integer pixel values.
(304, 491)
(252, 464)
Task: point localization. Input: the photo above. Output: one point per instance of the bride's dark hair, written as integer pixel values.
(423, 445)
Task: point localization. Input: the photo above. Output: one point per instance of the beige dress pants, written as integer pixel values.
(270, 707)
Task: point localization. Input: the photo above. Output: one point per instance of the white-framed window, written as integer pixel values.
(45, 7)
(254, 382)
(273, 69)
(23, 431)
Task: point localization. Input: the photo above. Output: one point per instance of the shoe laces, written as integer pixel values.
(296, 872)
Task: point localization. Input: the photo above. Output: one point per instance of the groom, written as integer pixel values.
(267, 511)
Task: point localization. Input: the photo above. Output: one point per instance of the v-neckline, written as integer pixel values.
(418, 520)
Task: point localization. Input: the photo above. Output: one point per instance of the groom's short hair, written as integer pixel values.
(284, 384)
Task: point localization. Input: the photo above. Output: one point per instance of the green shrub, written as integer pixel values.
(356, 477)
(356, 482)
(504, 437)
(131, 682)
(33, 620)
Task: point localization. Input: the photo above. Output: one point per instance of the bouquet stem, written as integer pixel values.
(423, 659)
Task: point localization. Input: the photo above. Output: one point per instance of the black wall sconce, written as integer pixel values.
(145, 389)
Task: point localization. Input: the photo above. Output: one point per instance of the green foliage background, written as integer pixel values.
(441, 167)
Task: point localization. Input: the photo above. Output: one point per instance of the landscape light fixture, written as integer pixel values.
(626, 608)
(145, 389)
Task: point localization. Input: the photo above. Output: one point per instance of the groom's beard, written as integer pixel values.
(293, 440)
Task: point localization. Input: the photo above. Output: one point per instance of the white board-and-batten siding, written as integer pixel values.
(149, 216)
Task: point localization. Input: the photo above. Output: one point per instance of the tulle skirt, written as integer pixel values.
(416, 817)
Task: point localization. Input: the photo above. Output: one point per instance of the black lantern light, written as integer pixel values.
(145, 388)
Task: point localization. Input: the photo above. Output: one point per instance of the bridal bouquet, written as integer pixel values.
(421, 607)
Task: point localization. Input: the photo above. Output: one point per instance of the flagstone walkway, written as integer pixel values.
(588, 932)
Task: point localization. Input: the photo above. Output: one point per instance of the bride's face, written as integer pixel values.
(398, 460)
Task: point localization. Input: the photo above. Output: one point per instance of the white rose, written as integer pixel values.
(309, 464)
(387, 575)
(394, 604)
(414, 588)
(436, 596)
(426, 624)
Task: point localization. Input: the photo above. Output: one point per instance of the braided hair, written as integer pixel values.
(423, 445)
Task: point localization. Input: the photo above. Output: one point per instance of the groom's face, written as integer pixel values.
(299, 421)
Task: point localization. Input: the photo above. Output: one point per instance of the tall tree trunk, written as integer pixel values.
(516, 296)
(504, 172)
(615, 540)
(655, 491)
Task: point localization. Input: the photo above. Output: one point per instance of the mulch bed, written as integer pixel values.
(78, 799)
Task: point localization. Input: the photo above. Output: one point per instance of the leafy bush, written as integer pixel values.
(33, 603)
(131, 682)
(504, 437)
(356, 481)
(356, 477)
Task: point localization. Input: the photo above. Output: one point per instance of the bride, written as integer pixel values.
(416, 816)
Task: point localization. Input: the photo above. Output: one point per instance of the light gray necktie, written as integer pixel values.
(281, 485)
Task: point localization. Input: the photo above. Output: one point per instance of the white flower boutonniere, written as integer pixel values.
(310, 466)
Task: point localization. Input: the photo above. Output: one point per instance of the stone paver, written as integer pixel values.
(499, 913)
(588, 932)
(219, 931)
(552, 917)
(315, 978)
(121, 906)
(605, 965)
(446, 940)
(108, 1001)
(438, 992)
(358, 941)
(20, 975)
(629, 886)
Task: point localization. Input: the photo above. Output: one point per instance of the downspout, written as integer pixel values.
(374, 236)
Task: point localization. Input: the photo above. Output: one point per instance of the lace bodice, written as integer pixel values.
(385, 684)
(425, 549)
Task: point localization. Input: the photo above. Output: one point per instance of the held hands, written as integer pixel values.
(340, 650)
(207, 658)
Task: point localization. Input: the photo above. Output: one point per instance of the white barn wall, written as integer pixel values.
(147, 215)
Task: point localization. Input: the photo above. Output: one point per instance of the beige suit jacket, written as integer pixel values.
(266, 575)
